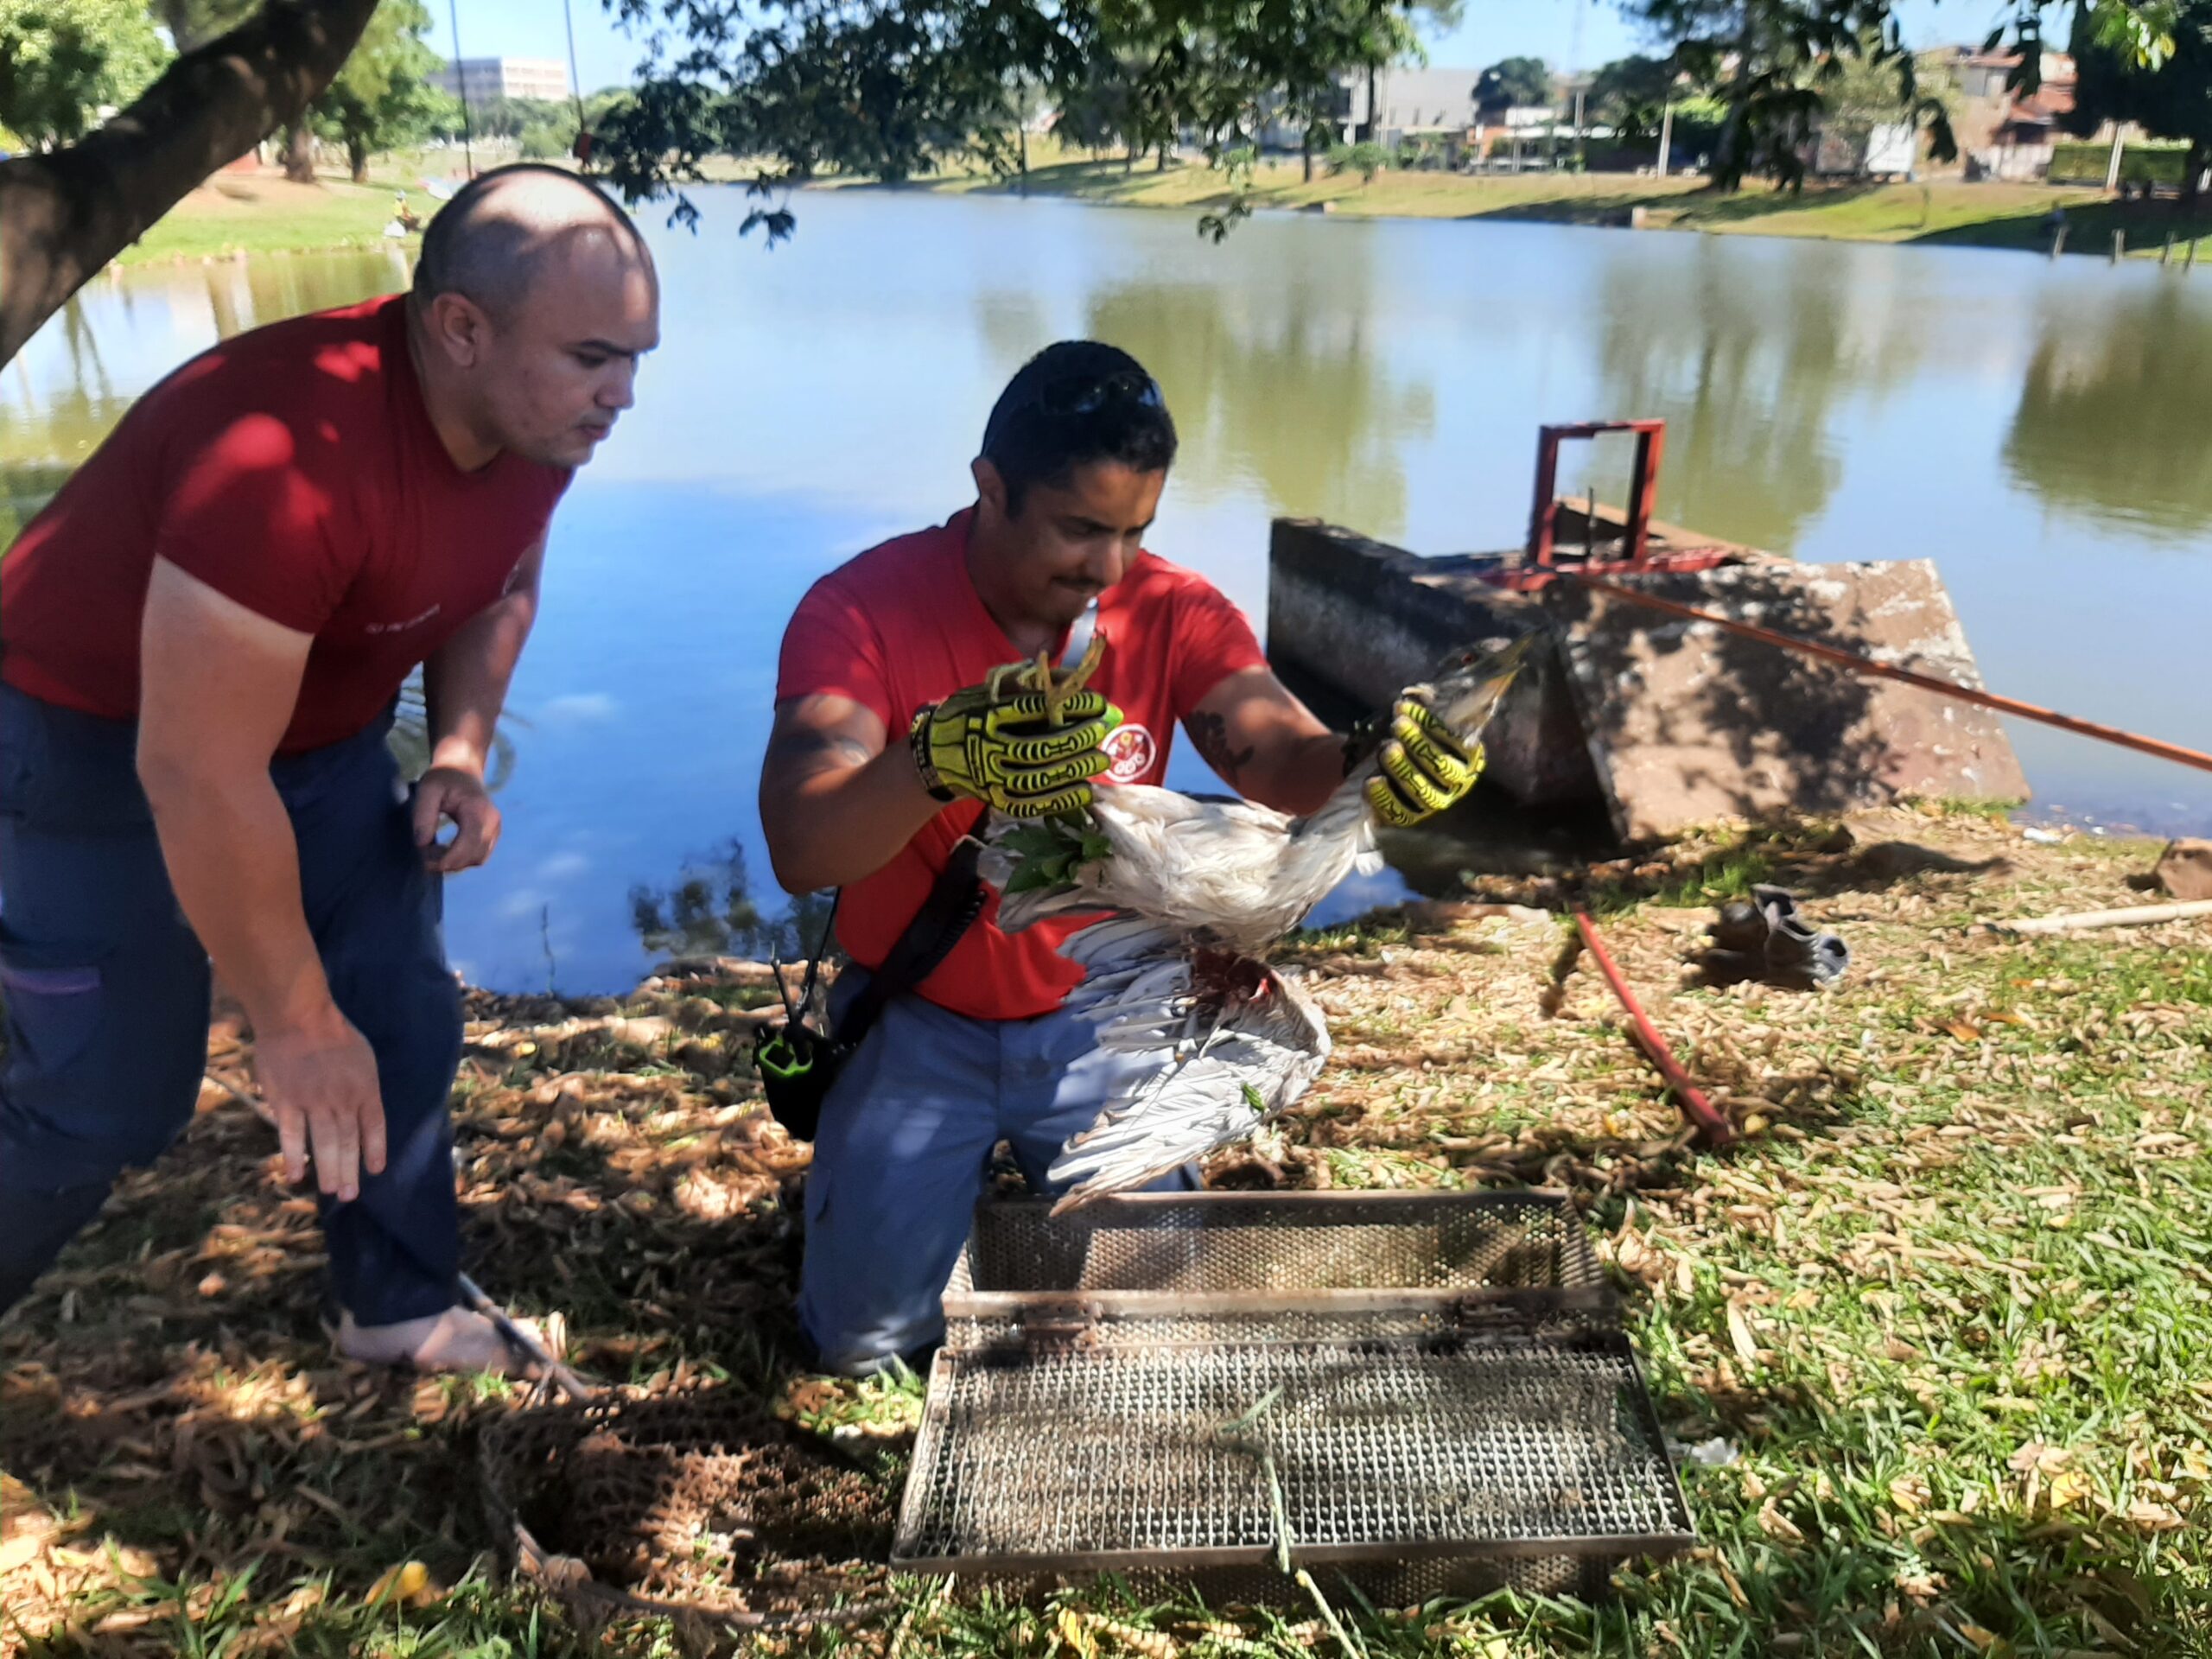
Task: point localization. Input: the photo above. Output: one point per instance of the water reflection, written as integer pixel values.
(2109, 423)
(708, 910)
(1748, 361)
(1839, 403)
(1281, 385)
(60, 397)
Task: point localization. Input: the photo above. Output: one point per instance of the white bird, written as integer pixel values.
(1196, 891)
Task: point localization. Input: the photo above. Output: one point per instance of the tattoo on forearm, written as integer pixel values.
(1209, 732)
(815, 750)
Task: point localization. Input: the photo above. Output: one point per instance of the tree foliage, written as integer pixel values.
(384, 97)
(1630, 94)
(61, 60)
(1514, 83)
(889, 87)
(1775, 63)
(2164, 86)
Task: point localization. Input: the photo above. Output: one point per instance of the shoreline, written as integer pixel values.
(236, 215)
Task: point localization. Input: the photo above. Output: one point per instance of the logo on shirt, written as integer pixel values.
(1132, 751)
(402, 627)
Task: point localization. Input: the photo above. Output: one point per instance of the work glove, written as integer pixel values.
(1029, 753)
(1423, 769)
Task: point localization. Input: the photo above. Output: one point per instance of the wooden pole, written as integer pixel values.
(2134, 916)
(1666, 137)
(2118, 245)
(2112, 165)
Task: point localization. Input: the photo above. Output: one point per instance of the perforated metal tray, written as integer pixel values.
(1467, 1454)
(1295, 1266)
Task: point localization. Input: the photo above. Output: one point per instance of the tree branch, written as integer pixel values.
(66, 214)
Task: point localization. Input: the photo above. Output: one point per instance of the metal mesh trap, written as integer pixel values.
(697, 1504)
(1182, 1458)
(1296, 1265)
(1426, 1392)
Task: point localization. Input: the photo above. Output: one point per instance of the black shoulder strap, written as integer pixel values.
(955, 902)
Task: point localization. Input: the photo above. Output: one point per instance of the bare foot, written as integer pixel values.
(456, 1340)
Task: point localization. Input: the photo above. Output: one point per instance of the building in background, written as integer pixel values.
(477, 80)
(2003, 133)
(1408, 102)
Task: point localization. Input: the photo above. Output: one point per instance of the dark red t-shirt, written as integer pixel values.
(901, 625)
(293, 468)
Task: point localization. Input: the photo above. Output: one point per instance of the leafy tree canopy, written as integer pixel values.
(1514, 83)
(384, 97)
(1629, 94)
(61, 60)
(2166, 87)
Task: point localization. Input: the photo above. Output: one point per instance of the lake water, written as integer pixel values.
(2038, 428)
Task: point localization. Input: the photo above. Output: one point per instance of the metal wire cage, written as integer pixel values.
(1425, 1393)
(1287, 1266)
(1194, 1459)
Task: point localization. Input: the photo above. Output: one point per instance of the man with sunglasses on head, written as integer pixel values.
(893, 738)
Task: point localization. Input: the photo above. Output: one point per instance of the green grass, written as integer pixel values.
(1949, 1301)
(238, 213)
(1940, 211)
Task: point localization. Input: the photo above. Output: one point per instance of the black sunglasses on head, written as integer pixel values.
(1086, 394)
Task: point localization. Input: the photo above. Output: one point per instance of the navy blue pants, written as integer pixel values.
(107, 989)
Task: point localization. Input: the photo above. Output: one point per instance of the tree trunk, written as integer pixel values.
(1306, 155)
(356, 155)
(64, 214)
(1374, 123)
(299, 153)
(1159, 160)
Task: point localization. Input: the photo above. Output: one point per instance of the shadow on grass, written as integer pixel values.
(2089, 227)
(170, 1382)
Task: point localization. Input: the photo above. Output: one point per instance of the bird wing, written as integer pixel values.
(1236, 1043)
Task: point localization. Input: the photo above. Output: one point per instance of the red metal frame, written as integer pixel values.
(1543, 517)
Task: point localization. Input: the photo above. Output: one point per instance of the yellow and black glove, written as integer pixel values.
(1029, 755)
(1424, 770)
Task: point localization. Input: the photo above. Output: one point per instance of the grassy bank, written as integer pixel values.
(1945, 213)
(263, 212)
(1947, 1301)
(236, 214)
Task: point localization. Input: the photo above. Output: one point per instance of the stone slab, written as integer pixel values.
(1670, 723)
(1688, 724)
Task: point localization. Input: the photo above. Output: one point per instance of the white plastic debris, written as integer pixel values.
(2042, 837)
(1716, 1454)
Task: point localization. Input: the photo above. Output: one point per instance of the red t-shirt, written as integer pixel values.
(901, 625)
(293, 468)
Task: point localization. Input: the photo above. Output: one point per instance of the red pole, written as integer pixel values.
(1713, 1129)
(2158, 746)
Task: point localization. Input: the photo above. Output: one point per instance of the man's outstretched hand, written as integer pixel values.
(455, 793)
(321, 1083)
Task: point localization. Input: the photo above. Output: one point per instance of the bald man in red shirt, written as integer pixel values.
(202, 642)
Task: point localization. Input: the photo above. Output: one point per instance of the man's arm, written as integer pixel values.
(1267, 745)
(218, 684)
(465, 685)
(838, 800)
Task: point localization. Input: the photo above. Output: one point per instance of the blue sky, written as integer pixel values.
(1493, 30)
